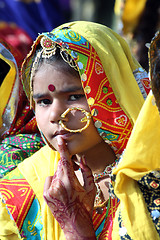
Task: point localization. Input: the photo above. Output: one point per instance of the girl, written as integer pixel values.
(87, 91)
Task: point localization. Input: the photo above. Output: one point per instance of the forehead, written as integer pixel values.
(53, 74)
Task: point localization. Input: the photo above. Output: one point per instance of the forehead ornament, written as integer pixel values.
(48, 47)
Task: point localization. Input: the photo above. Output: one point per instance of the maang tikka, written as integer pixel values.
(48, 47)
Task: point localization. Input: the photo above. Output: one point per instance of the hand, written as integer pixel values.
(71, 203)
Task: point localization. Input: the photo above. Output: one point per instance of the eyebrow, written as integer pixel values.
(72, 89)
(68, 90)
(39, 95)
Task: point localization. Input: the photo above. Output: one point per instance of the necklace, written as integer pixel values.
(97, 176)
(107, 171)
(100, 228)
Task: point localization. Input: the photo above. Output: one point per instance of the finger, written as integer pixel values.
(48, 182)
(47, 185)
(65, 156)
(87, 175)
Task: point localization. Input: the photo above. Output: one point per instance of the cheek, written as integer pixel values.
(39, 118)
(94, 132)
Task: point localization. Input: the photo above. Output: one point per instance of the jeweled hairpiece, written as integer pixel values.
(48, 47)
(67, 58)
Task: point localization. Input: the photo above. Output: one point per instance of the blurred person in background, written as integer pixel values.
(137, 21)
(19, 135)
(99, 11)
(35, 15)
(16, 40)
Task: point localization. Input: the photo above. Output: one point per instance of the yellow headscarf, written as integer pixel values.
(142, 156)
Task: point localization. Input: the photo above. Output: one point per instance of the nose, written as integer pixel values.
(56, 110)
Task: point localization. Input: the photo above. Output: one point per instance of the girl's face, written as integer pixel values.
(53, 92)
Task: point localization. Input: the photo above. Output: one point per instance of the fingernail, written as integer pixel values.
(59, 140)
(84, 160)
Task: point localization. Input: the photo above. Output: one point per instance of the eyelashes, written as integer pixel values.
(75, 97)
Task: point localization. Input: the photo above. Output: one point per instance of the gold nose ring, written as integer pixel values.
(86, 118)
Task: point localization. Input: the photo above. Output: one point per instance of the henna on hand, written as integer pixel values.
(71, 203)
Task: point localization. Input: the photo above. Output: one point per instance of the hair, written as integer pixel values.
(55, 60)
(155, 72)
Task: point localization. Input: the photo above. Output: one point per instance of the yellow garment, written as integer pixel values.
(141, 156)
(8, 228)
(35, 175)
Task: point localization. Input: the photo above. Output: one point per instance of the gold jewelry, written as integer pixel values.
(107, 172)
(67, 58)
(48, 47)
(86, 119)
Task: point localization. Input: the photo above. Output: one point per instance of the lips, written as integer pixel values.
(63, 133)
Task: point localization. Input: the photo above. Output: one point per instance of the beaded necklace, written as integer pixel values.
(107, 172)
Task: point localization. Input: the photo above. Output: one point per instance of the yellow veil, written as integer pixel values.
(140, 158)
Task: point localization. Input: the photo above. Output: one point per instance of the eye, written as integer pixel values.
(76, 97)
(43, 102)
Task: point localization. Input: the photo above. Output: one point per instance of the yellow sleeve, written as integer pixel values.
(8, 228)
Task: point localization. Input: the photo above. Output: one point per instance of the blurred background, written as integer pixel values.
(136, 20)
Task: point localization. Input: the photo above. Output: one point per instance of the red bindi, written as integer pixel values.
(51, 87)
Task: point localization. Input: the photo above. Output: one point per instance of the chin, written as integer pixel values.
(74, 148)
